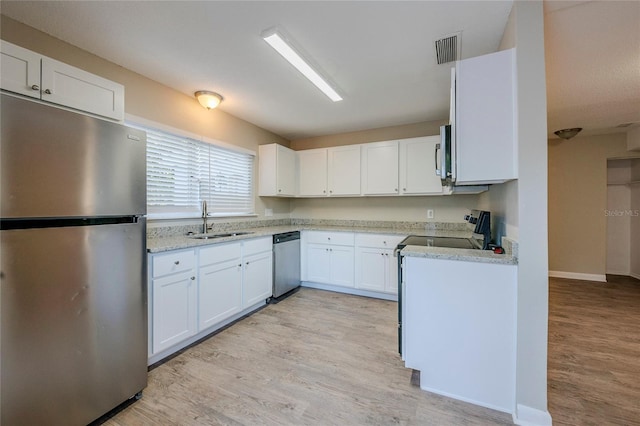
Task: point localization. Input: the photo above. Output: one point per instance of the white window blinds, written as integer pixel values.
(181, 172)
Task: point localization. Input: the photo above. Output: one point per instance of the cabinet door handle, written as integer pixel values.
(247, 263)
(330, 249)
(35, 87)
(193, 278)
(177, 262)
(395, 189)
(47, 91)
(239, 265)
(329, 238)
(404, 189)
(330, 191)
(324, 191)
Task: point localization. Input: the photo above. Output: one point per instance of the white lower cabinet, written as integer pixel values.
(173, 300)
(257, 272)
(376, 266)
(193, 291)
(467, 310)
(329, 258)
(220, 283)
(360, 261)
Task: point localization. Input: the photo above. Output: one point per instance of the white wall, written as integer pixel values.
(635, 220)
(533, 300)
(450, 208)
(502, 202)
(578, 201)
(633, 139)
(618, 220)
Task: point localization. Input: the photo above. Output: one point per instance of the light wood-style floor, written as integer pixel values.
(316, 358)
(321, 358)
(594, 352)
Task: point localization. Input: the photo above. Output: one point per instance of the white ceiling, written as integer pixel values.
(380, 55)
(593, 65)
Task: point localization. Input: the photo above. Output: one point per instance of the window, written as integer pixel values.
(183, 171)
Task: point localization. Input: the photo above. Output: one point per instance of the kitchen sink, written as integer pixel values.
(221, 235)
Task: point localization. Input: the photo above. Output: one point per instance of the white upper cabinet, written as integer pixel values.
(277, 171)
(28, 73)
(312, 172)
(344, 170)
(20, 70)
(418, 168)
(69, 86)
(485, 100)
(380, 168)
(329, 171)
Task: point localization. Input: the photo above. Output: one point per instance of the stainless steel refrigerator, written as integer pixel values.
(72, 265)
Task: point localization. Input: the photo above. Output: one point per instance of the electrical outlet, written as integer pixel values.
(268, 212)
(430, 214)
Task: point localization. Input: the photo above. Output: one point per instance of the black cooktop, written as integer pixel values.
(450, 242)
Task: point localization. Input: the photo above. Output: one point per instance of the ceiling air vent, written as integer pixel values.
(448, 48)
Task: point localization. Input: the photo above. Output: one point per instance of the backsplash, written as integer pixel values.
(178, 230)
(429, 226)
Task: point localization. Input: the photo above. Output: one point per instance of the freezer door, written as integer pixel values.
(56, 163)
(74, 322)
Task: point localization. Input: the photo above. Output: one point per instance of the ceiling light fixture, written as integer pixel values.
(283, 45)
(207, 99)
(568, 133)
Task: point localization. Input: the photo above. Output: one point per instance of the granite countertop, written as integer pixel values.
(467, 255)
(163, 239)
(175, 242)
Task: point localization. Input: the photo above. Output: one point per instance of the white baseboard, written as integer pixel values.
(636, 276)
(351, 290)
(159, 356)
(578, 276)
(470, 400)
(528, 416)
(618, 272)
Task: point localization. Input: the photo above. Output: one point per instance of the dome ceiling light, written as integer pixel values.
(207, 99)
(568, 133)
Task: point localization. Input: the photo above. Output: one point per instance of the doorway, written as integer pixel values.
(623, 217)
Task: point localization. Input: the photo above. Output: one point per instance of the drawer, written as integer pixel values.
(257, 245)
(217, 253)
(172, 262)
(336, 238)
(378, 240)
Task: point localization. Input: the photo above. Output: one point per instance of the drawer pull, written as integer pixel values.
(47, 91)
(177, 262)
(35, 87)
(193, 278)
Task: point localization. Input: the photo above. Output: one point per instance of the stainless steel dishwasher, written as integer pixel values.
(286, 262)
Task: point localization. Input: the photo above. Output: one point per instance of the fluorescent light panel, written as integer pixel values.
(278, 42)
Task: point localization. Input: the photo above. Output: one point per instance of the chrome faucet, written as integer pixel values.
(204, 216)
